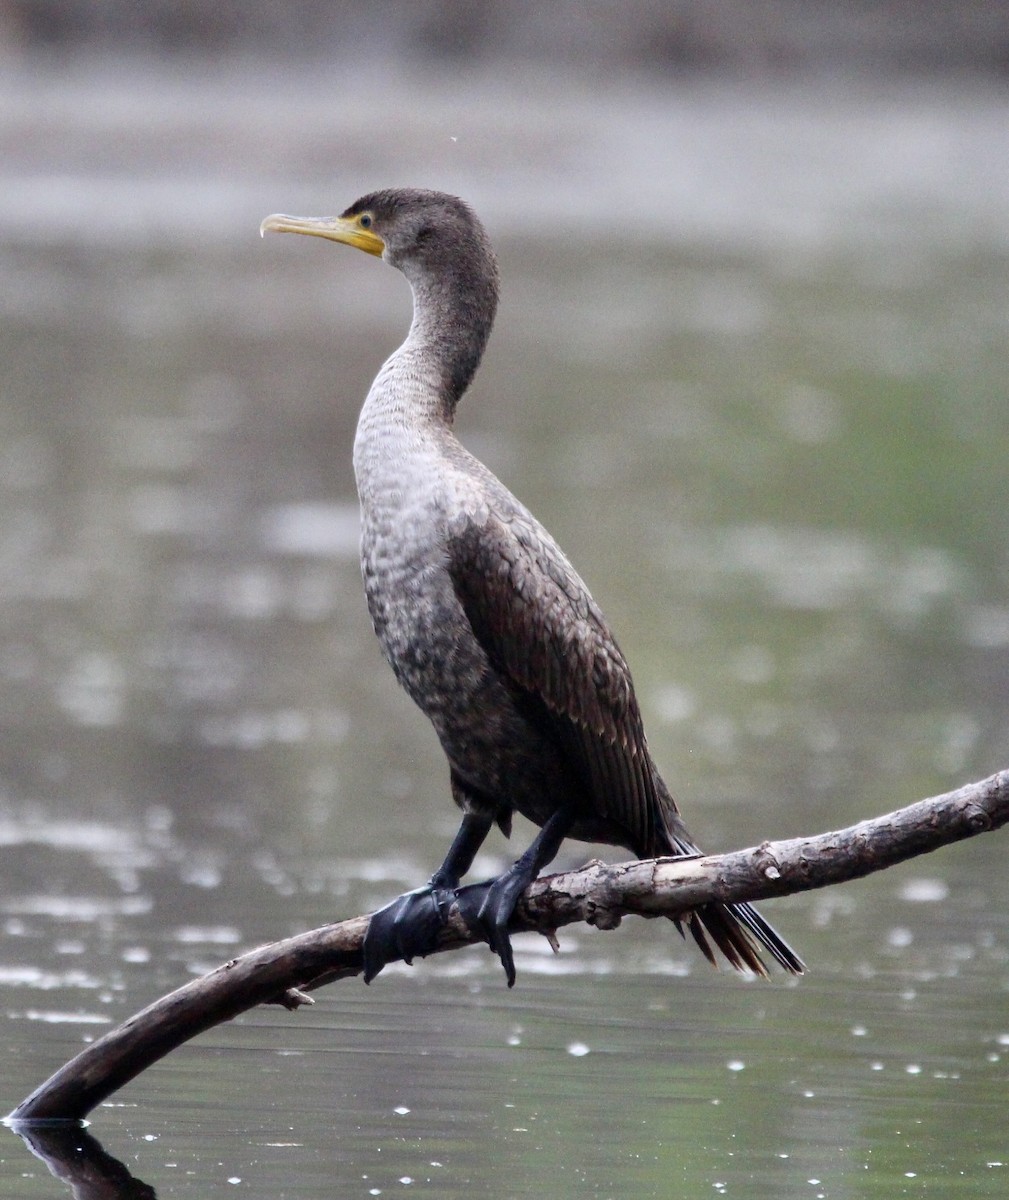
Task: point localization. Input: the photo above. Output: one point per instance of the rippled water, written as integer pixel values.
(750, 368)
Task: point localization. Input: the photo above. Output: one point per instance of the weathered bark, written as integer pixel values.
(597, 893)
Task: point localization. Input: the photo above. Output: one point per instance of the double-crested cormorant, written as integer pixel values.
(484, 621)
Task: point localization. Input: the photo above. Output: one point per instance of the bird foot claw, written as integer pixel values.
(406, 929)
(488, 908)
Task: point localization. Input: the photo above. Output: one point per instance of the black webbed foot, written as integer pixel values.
(489, 907)
(406, 929)
(498, 898)
(410, 925)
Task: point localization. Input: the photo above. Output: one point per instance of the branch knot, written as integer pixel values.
(978, 820)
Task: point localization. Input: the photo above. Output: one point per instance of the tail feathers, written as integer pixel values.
(740, 933)
(738, 930)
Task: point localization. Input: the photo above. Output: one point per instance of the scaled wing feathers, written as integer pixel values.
(543, 632)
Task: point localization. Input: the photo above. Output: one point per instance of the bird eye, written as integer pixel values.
(364, 220)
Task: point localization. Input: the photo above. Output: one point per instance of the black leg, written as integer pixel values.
(409, 926)
(504, 892)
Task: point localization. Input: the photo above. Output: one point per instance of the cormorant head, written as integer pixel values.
(415, 230)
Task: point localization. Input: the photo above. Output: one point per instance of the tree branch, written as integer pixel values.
(600, 894)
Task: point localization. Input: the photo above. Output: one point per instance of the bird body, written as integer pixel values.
(481, 616)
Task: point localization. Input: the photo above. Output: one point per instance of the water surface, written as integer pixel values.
(750, 369)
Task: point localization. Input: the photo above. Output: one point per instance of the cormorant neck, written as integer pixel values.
(453, 311)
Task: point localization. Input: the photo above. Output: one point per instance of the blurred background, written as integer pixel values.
(749, 368)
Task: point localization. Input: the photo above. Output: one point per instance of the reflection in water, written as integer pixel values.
(79, 1160)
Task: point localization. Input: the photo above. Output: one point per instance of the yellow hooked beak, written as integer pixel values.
(352, 231)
